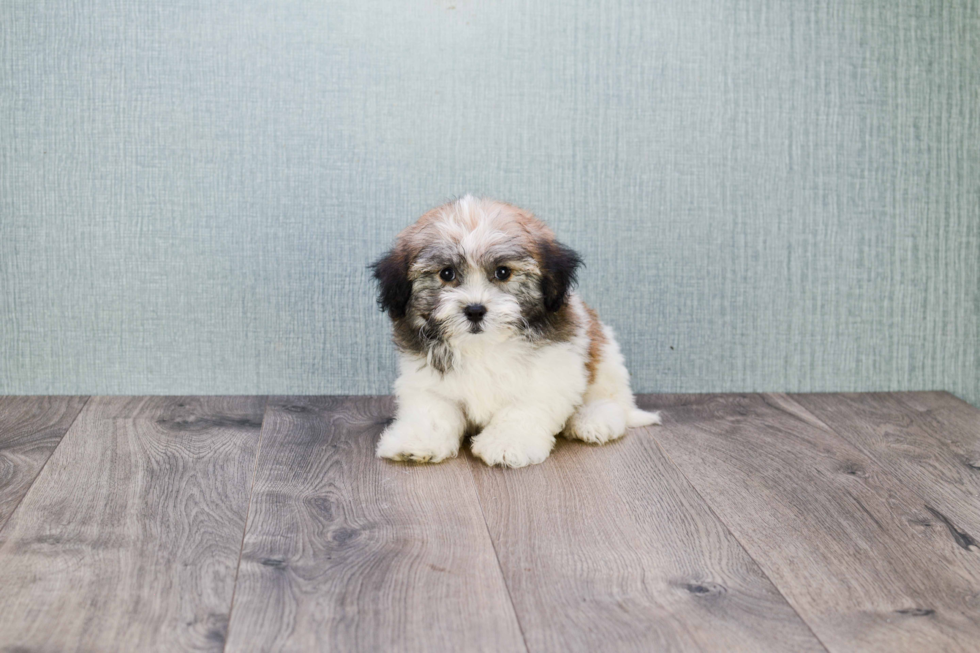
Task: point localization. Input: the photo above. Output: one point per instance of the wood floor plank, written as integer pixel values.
(130, 536)
(931, 450)
(852, 549)
(30, 429)
(955, 422)
(346, 552)
(610, 549)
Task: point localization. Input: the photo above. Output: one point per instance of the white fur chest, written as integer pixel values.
(487, 378)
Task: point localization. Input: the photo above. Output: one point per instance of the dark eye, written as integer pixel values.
(502, 273)
(447, 274)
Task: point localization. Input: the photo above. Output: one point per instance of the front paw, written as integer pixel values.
(406, 441)
(511, 449)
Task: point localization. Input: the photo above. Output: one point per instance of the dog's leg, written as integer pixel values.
(609, 407)
(597, 421)
(602, 420)
(520, 435)
(427, 429)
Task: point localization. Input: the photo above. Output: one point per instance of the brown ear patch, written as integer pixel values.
(596, 340)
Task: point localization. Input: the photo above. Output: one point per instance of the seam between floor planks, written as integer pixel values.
(496, 555)
(652, 430)
(248, 511)
(85, 400)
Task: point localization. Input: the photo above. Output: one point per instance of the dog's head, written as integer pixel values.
(476, 269)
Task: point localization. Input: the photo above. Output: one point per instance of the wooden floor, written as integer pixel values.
(745, 522)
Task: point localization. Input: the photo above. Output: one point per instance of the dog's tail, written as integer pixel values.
(637, 417)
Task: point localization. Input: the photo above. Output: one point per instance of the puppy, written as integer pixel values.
(493, 339)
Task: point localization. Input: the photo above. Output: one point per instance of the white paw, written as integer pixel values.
(597, 422)
(511, 449)
(406, 441)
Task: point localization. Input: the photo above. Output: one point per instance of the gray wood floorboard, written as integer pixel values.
(30, 429)
(346, 552)
(610, 549)
(746, 522)
(955, 423)
(130, 536)
(846, 542)
(930, 452)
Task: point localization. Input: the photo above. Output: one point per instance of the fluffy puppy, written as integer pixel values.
(494, 341)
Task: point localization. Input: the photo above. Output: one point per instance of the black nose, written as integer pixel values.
(475, 312)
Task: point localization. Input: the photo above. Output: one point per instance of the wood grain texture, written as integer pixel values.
(345, 552)
(933, 452)
(30, 429)
(610, 549)
(850, 546)
(955, 423)
(130, 536)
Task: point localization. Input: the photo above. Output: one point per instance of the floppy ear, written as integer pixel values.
(394, 286)
(559, 267)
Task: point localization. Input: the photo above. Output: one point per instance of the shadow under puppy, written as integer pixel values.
(492, 339)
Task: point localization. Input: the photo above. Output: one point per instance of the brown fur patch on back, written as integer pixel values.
(596, 340)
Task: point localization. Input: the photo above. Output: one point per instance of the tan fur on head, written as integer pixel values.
(479, 222)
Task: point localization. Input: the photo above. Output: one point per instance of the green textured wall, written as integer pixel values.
(769, 195)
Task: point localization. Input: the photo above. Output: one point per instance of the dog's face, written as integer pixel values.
(475, 270)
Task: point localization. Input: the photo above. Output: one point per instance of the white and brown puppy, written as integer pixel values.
(492, 339)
